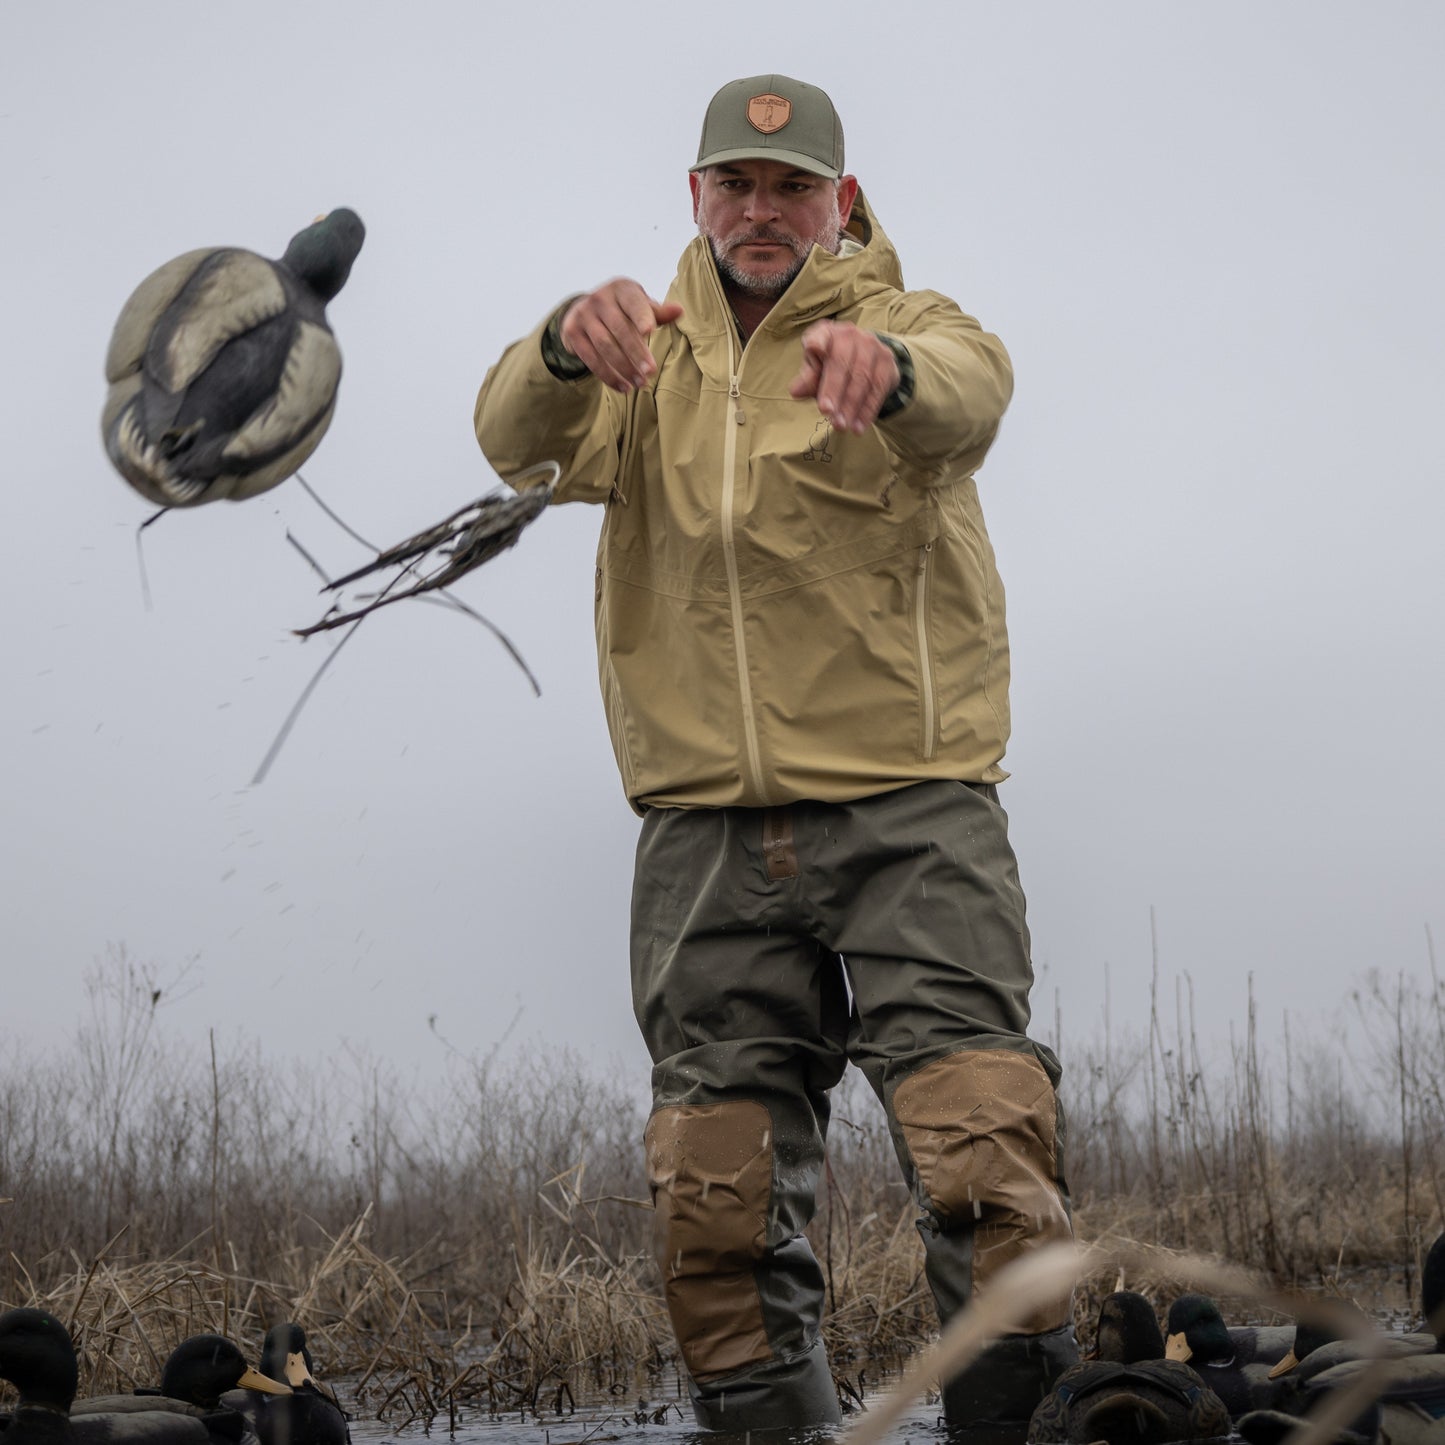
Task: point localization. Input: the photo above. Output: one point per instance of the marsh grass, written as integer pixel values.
(484, 1243)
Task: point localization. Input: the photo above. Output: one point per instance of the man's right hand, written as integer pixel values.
(607, 331)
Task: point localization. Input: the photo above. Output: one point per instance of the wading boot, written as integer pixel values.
(791, 1393)
(991, 1402)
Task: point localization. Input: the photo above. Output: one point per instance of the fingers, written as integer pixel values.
(851, 372)
(607, 331)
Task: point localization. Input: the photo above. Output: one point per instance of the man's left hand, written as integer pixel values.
(851, 372)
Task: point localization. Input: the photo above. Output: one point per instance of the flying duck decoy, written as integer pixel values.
(1234, 1363)
(223, 368)
(38, 1358)
(310, 1414)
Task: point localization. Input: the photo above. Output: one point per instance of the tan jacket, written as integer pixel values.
(783, 612)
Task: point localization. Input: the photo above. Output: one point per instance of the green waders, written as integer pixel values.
(751, 928)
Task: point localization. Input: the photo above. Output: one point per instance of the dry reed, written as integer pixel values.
(487, 1246)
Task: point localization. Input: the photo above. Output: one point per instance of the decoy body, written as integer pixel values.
(1146, 1403)
(37, 1357)
(1234, 1363)
(1127, 1393)
(310, 1415)
(223, 369)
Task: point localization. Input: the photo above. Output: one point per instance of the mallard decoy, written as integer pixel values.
(1321, 1344)
(223, 368)
(1410, 1409)
(1126, 1392)
(38, 1358)
(195, 1375)
(1148, 1402)
(310, 1415)
(1127, 1330)
(1234, 1363)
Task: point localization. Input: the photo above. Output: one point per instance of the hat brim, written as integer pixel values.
(768, 153)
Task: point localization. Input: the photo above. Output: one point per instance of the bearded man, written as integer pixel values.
(805, 673)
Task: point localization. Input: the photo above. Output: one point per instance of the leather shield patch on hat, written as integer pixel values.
(769, 113)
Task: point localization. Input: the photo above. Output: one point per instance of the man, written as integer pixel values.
(803, 661)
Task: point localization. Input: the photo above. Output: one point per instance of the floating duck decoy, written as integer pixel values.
(38, 1358)
(310, 1415)
(1234, 1363)
(223, 368)
(195, 1376)
(1127, 1330)
(1321, 1344)
(1126, 1392)
(1410, 1408)
(1148, 1402)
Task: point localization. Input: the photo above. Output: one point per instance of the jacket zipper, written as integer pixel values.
(735, 419)
(925, 657)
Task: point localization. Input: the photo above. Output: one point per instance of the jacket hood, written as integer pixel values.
(826, 284)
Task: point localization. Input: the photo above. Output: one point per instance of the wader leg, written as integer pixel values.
(937, 954)
(746, 1021)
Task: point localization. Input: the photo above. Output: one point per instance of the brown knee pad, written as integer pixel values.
(981, 1129)
(710, 1170)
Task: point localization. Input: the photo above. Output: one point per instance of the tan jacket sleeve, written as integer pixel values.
(525, 415)
(962, 384)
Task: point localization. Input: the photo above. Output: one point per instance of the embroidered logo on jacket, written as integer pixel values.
(818, 442)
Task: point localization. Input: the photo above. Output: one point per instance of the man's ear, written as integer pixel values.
(694, 184)
(847, 193)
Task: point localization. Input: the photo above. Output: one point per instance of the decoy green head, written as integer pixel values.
(284, 1356)
(322, 254)
(1196, 1332)
(1329, 1321)
(38, 1358)
(200, 1369)
(1128, 1330)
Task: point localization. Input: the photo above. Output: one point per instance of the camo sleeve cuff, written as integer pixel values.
(901, 394)
(557, 359)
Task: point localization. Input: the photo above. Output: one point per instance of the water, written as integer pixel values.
(655, 1410)
(662, 1418)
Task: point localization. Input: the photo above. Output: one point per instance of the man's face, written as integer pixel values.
(762, 218)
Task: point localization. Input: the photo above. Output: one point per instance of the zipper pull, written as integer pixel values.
(739, 415)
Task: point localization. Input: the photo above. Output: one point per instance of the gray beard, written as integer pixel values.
(762, 286)
(770, 287)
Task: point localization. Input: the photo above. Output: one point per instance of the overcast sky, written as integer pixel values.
(1212, 237)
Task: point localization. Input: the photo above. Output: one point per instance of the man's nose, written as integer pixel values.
(761, 207)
